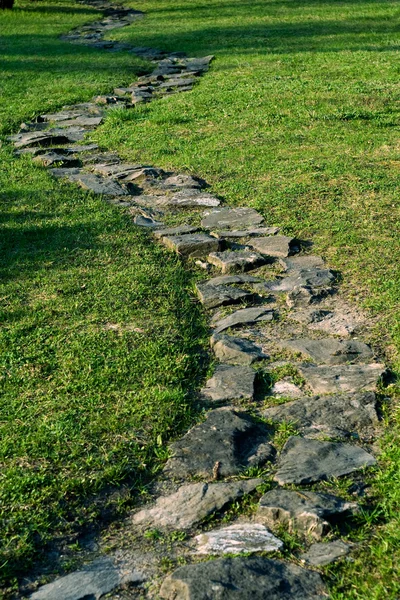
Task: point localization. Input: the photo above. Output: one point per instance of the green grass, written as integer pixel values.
(299, 118)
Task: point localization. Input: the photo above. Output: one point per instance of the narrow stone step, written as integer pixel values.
(230, 383)
(342, 379)
(237, 539)
(231, 218)
(213, 296)
(193, 245)
(244, 316)
(239, 261)
(278, 246)
(236, 351)
(329, 351)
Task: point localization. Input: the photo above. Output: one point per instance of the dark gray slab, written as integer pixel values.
(148, 222)
(191, 245)
(89, 181)
(250, 578)
(231, 218)
(333, 322)
(298, 263)
(278, 246)
(322, 554)
(179, 230)
(245, 233)
(45, 138)
(227, 442)
(182, 181)
(212, 296)
(51, 158)
(242, 317)
(306, 461)
(231, 279)
(330, 351)
(313, 278)
(230, 382)
(236, 261)
(235, 351)
(343, 378)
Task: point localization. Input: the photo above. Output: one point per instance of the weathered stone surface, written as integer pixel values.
(243, 578)
(278, 246)
(242, 317)
(285, 388)
(303, 296)
(89, 181)
(319, 555)
(182, 181)
(45, 138)
(223, 445)
(236, 351)
(300, 263)
(51, 158)
(312, 278)
(172, 231)
(192, 503)
(245, 233)
(189, 199)
(306, 461)
(212, 296)
(93, 581)
(330, 351)
(343, 378)
(332, 322)
(232, 261)
(309, 513)
(231, 218)
(230, 383)
(231, 279)
(81, 121)
(191, 245)
(238, 538)
(148, 222)
(328, 414)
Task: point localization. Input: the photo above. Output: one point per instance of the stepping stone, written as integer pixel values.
(342, 379)
(299, 263)
(244, 316)
(285, 388)
(309, 513)
(230, 383)
(182, 181)
(148, 222)
(44, 138)
(191, 245)
(189, 199)
(334, 323)
(245, 233)
(192, 503)
(312, 278)
(329, 351)
(172, 231)
(225, 444)
(93, 183)
(230, 279)
(82, 121)
(319, 555)
(243, 578)
(212, 296)
(237, 539)
(231, 218)
(308, 461)
(51, 158)
(303, 296)
(278, 246)
(236, 351)
(332, 415)
(94, 581)
(63, 115)
(231, 262)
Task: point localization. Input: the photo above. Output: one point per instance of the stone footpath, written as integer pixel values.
(283, 323)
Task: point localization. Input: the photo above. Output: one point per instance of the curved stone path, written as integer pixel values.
(275, 317)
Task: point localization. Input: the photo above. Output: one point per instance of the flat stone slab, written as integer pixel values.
(94, 581)
(232, 261)
(192, 503)
(313, 278)
(51, 158)
(278, 246)
(223, 445)
(147, 222)
(245, 233)
(331, 415)
(173, 231)
(243, 578)
(321, 554)
(299, 263)
(182, 181)
(235, 351)
(232, 279)
(304, 296)
(231, 218)
(230, 382)
(307, 461)
(309, 513)
(331, 322)
(237, 539)
(212, 296)
(329, 351)
(242, 317)
(189, 199)
(191, 244)
(45, 138)
(343, 378)
(91, 182)
(285, 388)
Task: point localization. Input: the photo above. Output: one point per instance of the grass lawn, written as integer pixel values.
(299, 118)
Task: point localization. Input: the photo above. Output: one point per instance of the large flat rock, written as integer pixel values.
(190, 199)
(237, 539)
(332, 322)
(309, 513)
(191, 244)
(230, 382)
(293, 264)
(235, 350)
(47, 138)
(230, 261)
(93, 581)
(278, 246)
(330, 351)
(192, 503)
(91, 182)
(231, 218)
(342, 379)
(212, 296)
(312, 278)
(233, 279)
(223, 445)
(243, 578)
(330, 415)
(243, 316)
(306, 461)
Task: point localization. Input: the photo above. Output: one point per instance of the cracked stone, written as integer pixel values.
(309, 513)
(231, 218)
(236, 351)
(192, 503)
(342, 379)
(212, 296)
(319, 555)
(225, 444)
(230, 262)
(244, 578)
(329, 351)
(191, 245)
(236, 539)
(332, 322)
(307, 461)
(243, 316)
(230, 383)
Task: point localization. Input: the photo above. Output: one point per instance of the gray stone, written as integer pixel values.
(303, 296)
(189, 199)
(309, 513)
(276, 246)
(89, 181)
(242, 317)
(236, 351)
(245, 233)
(346, 413)
(332, 322)
(51, 158)
(237, 539)
(329, 351)
(191, 245)
(299, 263)
(311, 278)
(231, 279)
(232, 261)
(182, 181)
(231, 218)
(82, 121)
(212, 296)
(179, 230)
(319, 555)
(230, 383)
(45, 138)
(285, 388)
(243, 578)
(93, 581)
(342, 379)
(192, 503)
(307, 461)
(148, 222)
(227, 442)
